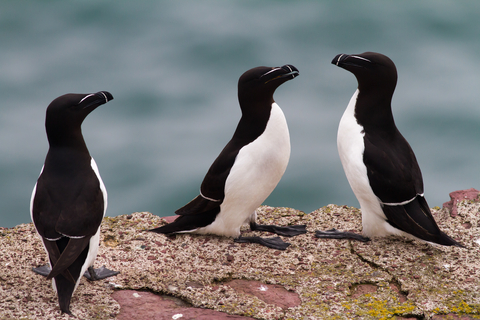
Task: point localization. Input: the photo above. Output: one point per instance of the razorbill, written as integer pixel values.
(248, 169)
(69, 199)
(379, 163)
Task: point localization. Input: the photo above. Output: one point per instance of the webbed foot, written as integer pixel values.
(43, 270)
(287, 231)
(100, 273)
(274, 243)
(335, 234)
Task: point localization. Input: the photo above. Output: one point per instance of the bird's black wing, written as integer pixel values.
(189, 222)
(66, 206)
(416, 219)
(213, 185)
(392, 168)
(396, 179)
(54, 255)
(199, 205)
(82, 214)
(203, 210)
(69, 254)
(68, 210)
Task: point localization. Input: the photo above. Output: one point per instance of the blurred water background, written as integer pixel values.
(173, 68)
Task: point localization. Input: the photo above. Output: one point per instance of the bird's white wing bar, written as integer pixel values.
(72, 237)
(207, 198)
(51, 239)
(399, 203)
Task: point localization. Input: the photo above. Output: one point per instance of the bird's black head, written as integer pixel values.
(372, 70)
(259, 84)
(66, 113)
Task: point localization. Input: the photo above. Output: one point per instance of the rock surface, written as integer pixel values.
(146, 305)
(459, 196)
(215, 278)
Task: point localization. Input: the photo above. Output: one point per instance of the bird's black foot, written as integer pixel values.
(43, 270)
(100, 273)
(68, 312)
(91, 274)
(335, 234)
(274, 243)
(289, 231)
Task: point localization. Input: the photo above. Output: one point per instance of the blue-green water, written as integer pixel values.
(173, 67)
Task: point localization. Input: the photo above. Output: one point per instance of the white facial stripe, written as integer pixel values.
(273, 70)
(207, 198)
(86, 97)
(361, 58)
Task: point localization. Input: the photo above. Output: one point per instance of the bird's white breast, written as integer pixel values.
(351, 147)
(95, 240)
(258, 168)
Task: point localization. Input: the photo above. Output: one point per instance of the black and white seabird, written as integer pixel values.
(248, 169)
(69, 199)
(379, 163)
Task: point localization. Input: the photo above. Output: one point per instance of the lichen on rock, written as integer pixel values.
(328, 279)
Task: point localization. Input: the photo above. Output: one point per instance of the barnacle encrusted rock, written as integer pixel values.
(312, 279)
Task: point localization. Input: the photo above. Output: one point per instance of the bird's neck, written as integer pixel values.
(71, 138)
(254, 120)
(374, 110)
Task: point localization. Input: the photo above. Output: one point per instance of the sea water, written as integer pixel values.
(173, 67)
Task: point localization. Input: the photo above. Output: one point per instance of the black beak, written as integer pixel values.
(287, 72)
(107, 95)
(291, 71)
(339, 58)
(344, 61)
(95, 99)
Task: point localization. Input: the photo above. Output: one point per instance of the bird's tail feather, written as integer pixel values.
(189, 222)
(416, 219)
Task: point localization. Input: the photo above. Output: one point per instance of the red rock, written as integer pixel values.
(460, 195)
(401, 295)
(362, 289)
(170, 219)
(141, 305)
(270, 293)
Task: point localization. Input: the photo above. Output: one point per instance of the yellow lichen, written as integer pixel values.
(380, 309)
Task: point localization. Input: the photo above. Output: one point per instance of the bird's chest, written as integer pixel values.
(260, 164)
(271, 150)
(350, 137)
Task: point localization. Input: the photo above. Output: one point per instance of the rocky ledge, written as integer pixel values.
(208, 277)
